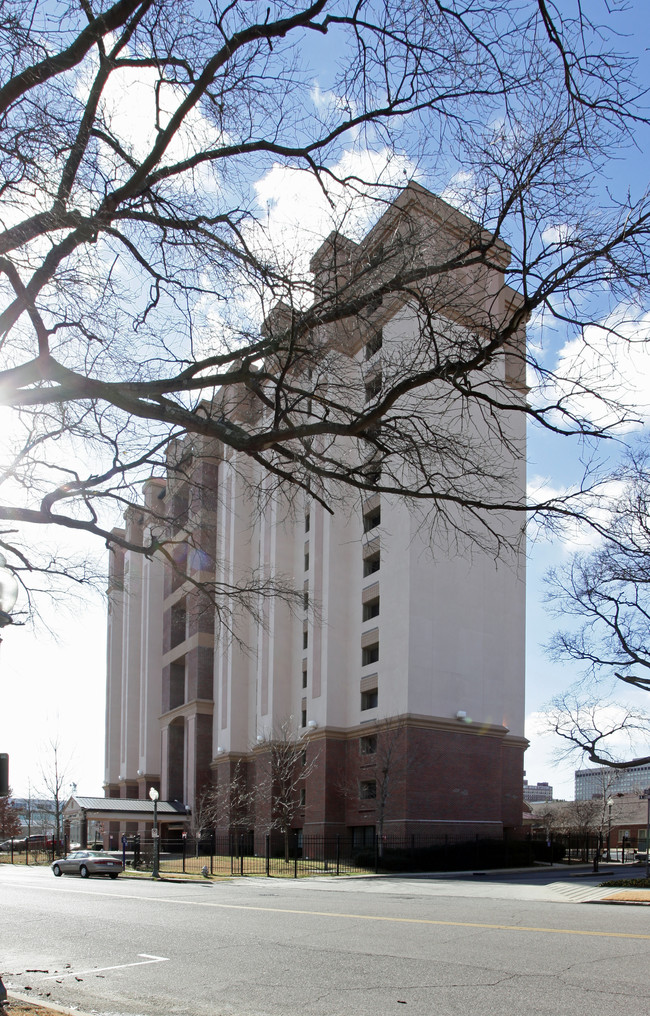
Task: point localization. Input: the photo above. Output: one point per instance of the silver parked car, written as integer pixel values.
(87, 863)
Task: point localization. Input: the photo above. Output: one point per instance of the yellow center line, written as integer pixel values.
(349, 917)
(425, 920)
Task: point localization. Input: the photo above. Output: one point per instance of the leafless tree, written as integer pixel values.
(230, 802)
(203, 815)
(580, 819)
(548, 816)
(602, 731)
(241, 800)
(385, 763)
(56, 770)
(285, 762)
(9, 816)
(606, 594)
(139, 265)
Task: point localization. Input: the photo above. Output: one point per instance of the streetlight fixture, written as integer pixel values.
(154, 795)
(610, 801)
(8, 592)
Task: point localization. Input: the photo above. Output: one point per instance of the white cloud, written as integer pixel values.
(136, 106)
(327, 101)
(559, 234)
(300, 212)
(603, 375)
(573, 534)
(462, 192)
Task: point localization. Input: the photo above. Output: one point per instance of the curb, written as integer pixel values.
(13, 996)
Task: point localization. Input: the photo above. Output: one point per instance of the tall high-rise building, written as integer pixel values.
(603, 782)
(406, 638)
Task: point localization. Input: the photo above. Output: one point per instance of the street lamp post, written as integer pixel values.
(646, 795)
(154, 795)
(610, 802)
(8, 592)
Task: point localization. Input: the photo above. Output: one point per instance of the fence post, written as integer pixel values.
(213, 850)
(268, 855)
(184, 851)
(338, 853)
(26, 851)
(295, 855)
(376, 852)
(241, 853)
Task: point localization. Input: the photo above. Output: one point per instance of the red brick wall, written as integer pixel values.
(441, 780)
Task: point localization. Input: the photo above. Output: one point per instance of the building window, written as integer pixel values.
(363, 836)
(371, 564)
(305, 601)
(373, 387)
(178, 624)
(307, 561)
(303, 717)
(374, 344)
(371, 609)
(370, 654)
(372, 474)
(176, 684)
(369, 699)
(307, 522)
(304, 674)
(367, 790)
(371, 519)
(368, 744)
(303, 797)
(303, 757)
(305, 639)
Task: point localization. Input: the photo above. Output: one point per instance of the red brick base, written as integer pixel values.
(428, 777)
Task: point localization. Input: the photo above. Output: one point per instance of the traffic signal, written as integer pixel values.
(4, 774)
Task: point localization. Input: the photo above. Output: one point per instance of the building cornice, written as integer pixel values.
(199, 640)
(195, 707)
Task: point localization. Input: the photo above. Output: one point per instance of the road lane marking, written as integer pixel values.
(351, 917)
(147, 958)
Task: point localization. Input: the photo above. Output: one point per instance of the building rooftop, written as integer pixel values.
(120, 804)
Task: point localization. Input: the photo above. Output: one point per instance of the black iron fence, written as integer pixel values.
(296, 855)
(581, 848)
(30, 851)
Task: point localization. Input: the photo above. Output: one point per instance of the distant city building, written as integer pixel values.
(596, 782)
(36, 815)
(539, 792)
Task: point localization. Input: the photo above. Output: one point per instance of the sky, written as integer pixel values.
(52, 683)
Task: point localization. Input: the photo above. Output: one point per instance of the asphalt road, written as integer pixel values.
(321, 948)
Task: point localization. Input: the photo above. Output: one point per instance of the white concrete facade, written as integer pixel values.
(404, 619)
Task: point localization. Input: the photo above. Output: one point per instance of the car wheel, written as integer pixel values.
(113, 874)
(83, 871)
(57, 871)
